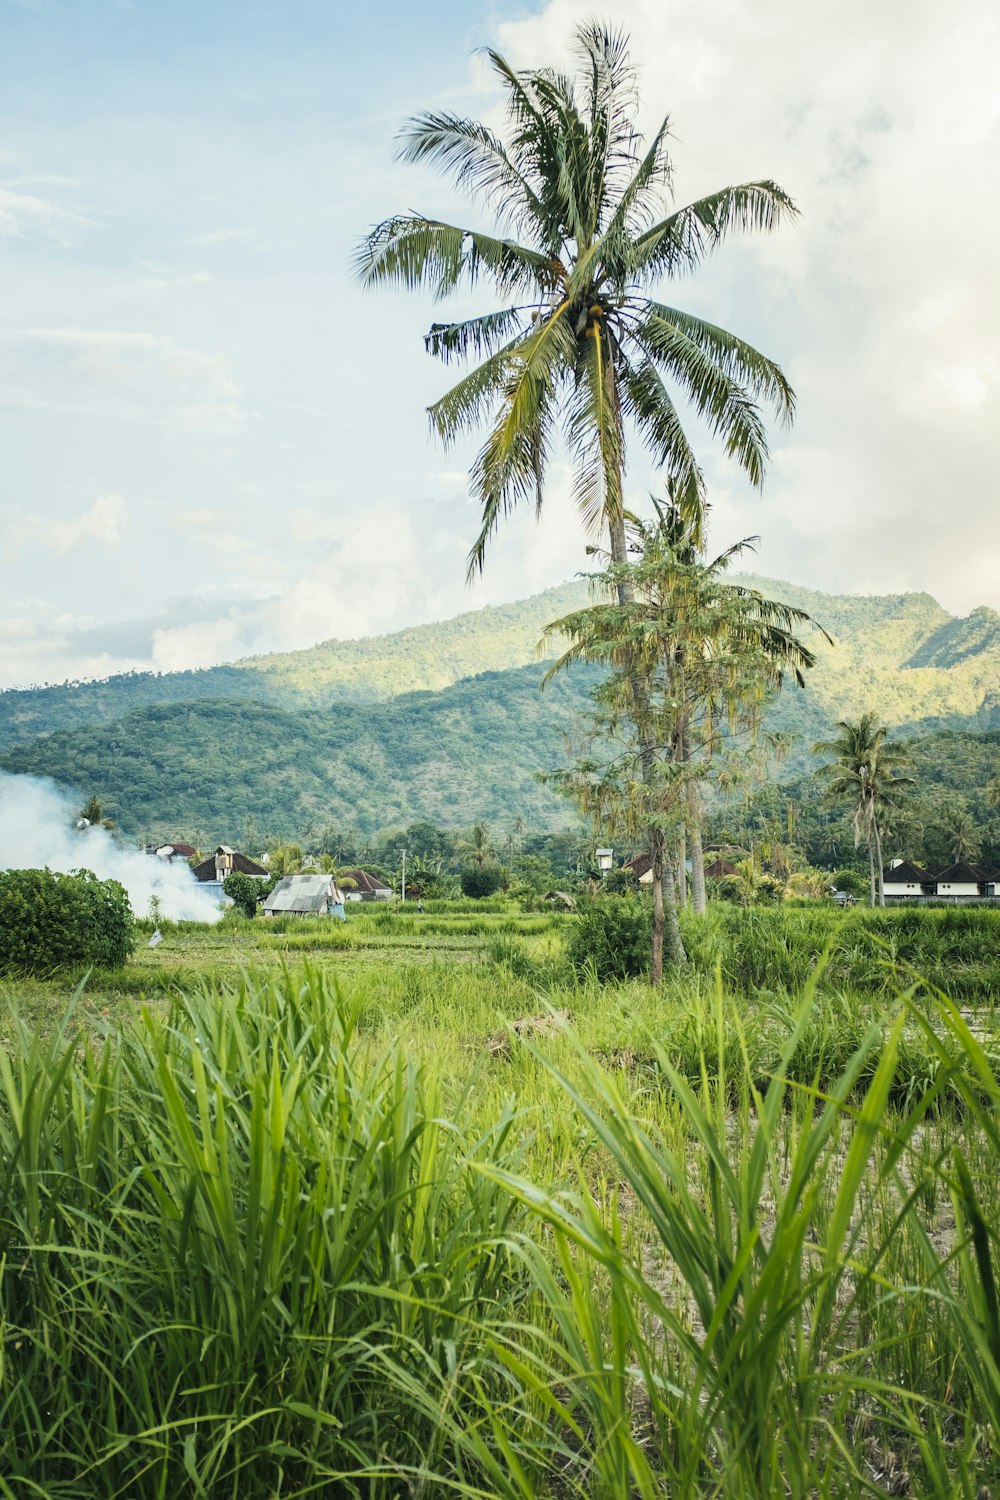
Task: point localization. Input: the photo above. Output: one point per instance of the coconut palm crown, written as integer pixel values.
(584, 232)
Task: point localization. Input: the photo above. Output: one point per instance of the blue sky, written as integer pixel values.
(212, 442)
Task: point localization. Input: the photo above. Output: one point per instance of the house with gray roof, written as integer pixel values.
(305, 896)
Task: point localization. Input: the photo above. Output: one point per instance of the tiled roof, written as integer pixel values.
(364, 881)
(961, 873)
(906, 873)
(242, 865)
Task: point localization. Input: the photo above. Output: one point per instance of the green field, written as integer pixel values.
(299, 1208)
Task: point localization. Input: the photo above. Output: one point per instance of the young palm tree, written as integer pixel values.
(688, 654)
(866, 771)
(580, 345)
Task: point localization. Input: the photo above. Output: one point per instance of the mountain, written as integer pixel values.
(472, 750)
(445, 721)
(370, 670)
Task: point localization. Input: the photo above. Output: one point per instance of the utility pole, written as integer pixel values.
(402, 888)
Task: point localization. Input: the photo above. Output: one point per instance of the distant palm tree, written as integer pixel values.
(479, 844)
(866, 772)
(963, 838)
(580, 345)
(993, 791)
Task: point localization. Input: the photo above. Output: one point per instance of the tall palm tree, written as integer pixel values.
(580, 344)
(867, 772)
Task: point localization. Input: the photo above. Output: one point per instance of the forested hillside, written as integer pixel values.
(338, 671)
(337, 732)
(902, 655)
(947, 813)
(202, 768)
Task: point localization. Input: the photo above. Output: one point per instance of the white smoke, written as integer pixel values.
(37, 831)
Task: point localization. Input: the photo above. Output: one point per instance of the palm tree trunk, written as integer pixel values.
(658, 867)
(665, 920)
(871, 873)
(682, 893)
(673, 942)
(878, 855)
(698, 897)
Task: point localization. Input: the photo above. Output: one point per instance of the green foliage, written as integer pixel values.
(50, 921)
(479, 881)
(611, 938)
(237, 1205)
(248, 891)
(850, 881)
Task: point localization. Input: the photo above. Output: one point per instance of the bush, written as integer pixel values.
(481, 880)
(248, 891)
(50, 921)
(612, 938)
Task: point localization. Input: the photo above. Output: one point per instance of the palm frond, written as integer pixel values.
(595, 432)
(681, 241)
(739, 360)
(412, 251)
(478, 336)
(721, 400)
(649, 404)
(477, 161)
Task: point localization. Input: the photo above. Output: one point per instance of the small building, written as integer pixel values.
(960, 880)
(226, 861)
(174, 852)
(305, 896)
(366, 886)
(719, 869)
(903, 878)
(560, 900)
(641, 867)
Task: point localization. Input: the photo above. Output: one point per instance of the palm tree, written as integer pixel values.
(479, 844)
(963, 837)
(579, 344)
(865, 772)
(993, 791)
(687, 654)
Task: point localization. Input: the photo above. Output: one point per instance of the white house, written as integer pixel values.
(903, 878)
(960, 879)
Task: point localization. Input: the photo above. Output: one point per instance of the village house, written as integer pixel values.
(903, 880)
(305, 896)
(225, 861)
(173, 853)
(364, 886)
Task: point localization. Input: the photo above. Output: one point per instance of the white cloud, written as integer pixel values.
(225, 237)
(156, 283)
(882, 301)
(23, 213)
(103, 522)
(129, 376)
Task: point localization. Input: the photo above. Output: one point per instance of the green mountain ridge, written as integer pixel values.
(445, 721)
(367, 670)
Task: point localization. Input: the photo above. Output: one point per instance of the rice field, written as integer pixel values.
(402, 1208)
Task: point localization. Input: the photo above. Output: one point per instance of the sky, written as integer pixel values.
(214, 443)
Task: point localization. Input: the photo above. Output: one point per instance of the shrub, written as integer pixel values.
(248, 891)
(481, 880)
(612, 937)
(50, 921)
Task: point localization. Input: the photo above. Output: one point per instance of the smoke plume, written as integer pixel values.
(37, 830)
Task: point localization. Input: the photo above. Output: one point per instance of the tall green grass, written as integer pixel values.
(257, 1245)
